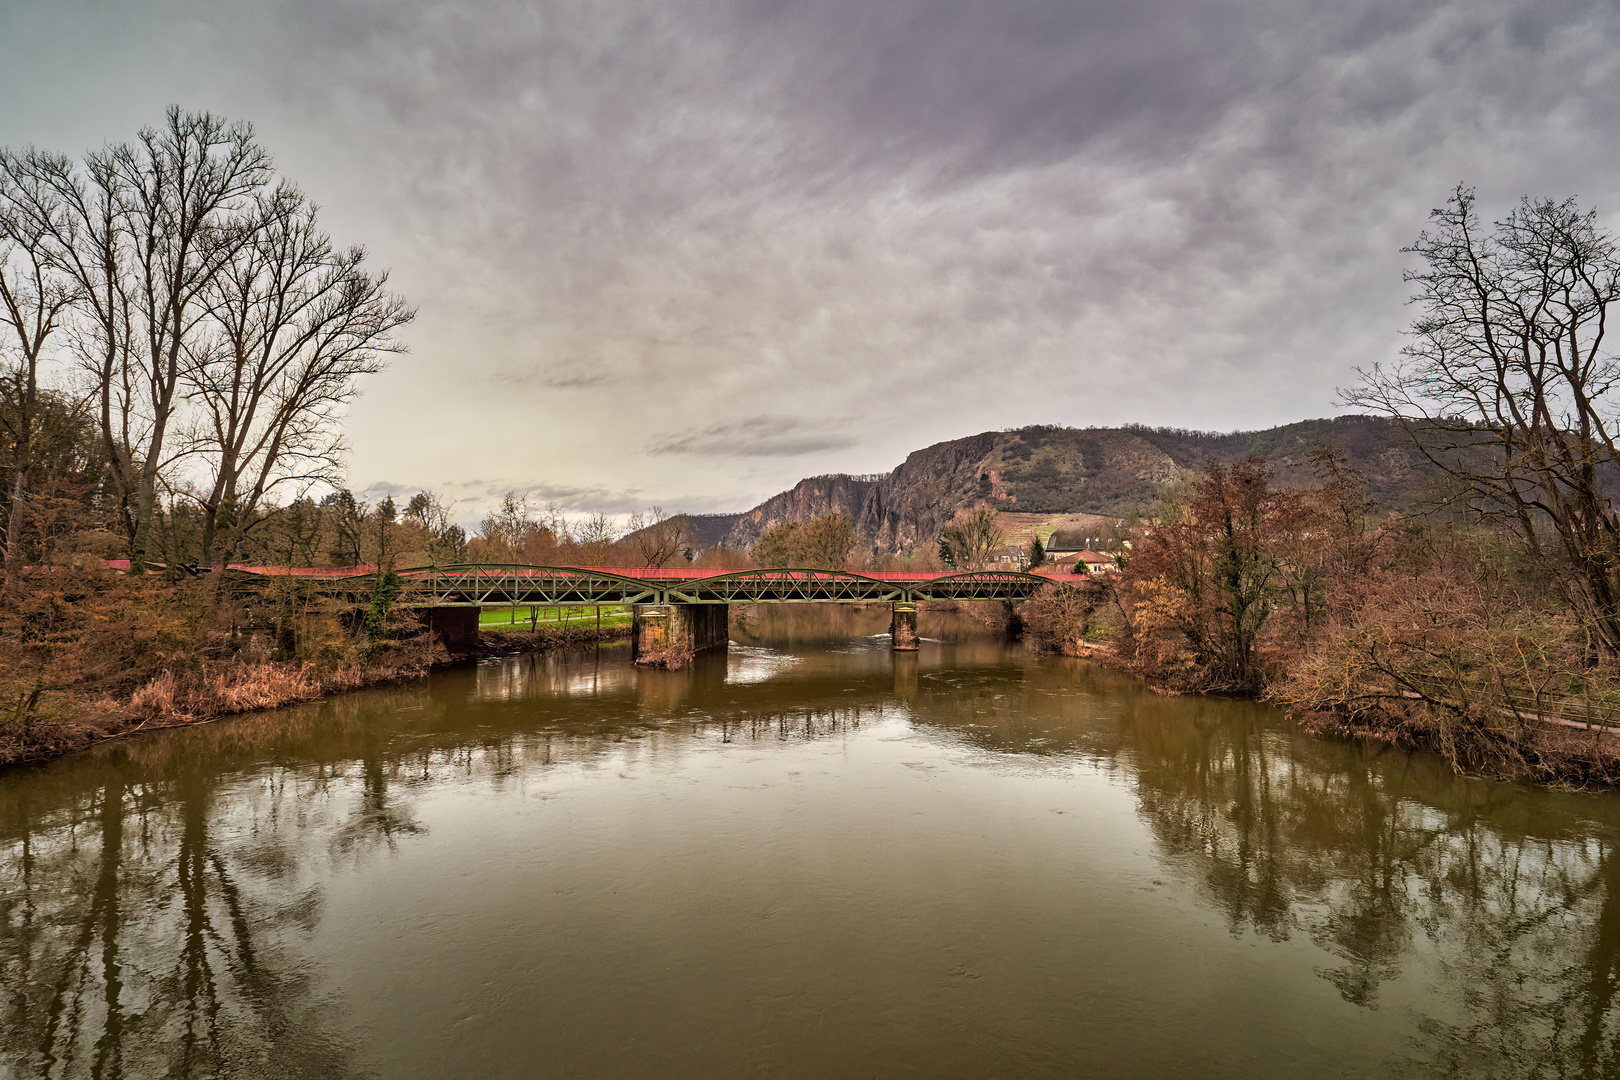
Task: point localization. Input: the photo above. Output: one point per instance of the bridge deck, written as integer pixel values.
(499, 586)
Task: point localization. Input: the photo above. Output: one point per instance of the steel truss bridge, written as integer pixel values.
(561, 586)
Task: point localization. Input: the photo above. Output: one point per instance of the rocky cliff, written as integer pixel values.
(1057, 470)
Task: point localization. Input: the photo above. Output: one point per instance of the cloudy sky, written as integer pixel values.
(688, 251)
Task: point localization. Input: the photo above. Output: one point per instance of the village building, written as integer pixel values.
(1098, 562)
(1012, 556)
(1067, 546)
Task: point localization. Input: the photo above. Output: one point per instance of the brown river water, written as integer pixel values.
(808, 857)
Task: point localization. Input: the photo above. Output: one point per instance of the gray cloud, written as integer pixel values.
(761, 436)
(547, 379)
(658, 248)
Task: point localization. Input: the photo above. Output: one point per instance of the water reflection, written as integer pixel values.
(162, 895)
(752, 664)
(143, 938)
(1382, 859)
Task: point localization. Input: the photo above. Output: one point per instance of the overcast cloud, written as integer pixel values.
(687, 251)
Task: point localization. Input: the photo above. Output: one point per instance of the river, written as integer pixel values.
(809, 857)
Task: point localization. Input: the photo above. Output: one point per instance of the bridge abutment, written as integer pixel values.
(903, 627)
(671, 634)
(456, 628)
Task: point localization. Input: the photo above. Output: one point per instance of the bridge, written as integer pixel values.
(673, 608)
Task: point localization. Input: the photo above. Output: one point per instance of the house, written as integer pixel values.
(1099, 562)
(1067, 546)
(1010, 557)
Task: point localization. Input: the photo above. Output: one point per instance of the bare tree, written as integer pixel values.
(34, 297)
(823, 543)
(145, 227)
(184, 191)
(656, 537)
(1507, 384)
(966, 543)
(80, 215)
(598, 529)
(829, 540)
(428, 511)
(509, 533)
(1212, 567)
(504, 528)
(291, 325)
(447, 541)
(299, 525)
(215, 318)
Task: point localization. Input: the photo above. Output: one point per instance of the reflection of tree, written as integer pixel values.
(1494, 900)
(1598, 1037)
(377, 819)
(1035, 710)
(55, 992)
(792, 626)
(156, 922)
(152, 914)
(800, 626)
(796, 724)
(138, 943)
(1386, 861)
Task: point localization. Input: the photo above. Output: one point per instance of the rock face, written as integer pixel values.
(1057, 470)
(811, 498)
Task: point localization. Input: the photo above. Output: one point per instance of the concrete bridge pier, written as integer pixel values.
(670, 634)
(903, 627)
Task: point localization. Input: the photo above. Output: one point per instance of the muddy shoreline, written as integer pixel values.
(237, 688)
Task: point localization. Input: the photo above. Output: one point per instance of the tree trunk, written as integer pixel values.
(14, 524)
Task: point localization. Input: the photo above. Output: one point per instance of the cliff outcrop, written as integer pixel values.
(1054, 470)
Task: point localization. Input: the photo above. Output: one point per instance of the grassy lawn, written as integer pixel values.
(494, 618)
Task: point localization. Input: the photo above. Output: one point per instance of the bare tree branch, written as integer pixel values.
(1506, 385)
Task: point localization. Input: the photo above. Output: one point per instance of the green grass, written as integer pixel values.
(514, 618)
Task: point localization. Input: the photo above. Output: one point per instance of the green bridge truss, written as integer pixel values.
(561, 586)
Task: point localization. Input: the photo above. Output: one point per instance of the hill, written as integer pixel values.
(1052, 471)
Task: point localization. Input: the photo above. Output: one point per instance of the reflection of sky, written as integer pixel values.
(658, 889)
(748, 664)
(589, 673)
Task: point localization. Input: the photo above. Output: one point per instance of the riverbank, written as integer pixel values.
(1052, 832)
(91, 656)
(1521, 725)
(199, 695)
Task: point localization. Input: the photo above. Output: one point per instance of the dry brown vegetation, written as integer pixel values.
(86, 653)
(1421, 631)
(1453, 644)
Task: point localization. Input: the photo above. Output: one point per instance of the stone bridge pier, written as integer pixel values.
(903, 627)
(660, 633)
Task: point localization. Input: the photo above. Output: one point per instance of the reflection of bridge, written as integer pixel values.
(674, 608)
